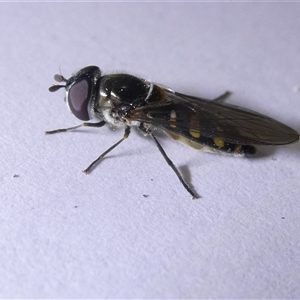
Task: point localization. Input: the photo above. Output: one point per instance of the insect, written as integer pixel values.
(210, 125)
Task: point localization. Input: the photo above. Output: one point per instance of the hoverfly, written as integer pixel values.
(125, 100)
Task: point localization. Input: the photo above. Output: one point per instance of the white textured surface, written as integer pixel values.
(66, 235)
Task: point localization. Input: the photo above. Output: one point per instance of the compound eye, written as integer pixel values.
(78, 99)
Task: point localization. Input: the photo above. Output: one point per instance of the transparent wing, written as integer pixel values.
(181, 113)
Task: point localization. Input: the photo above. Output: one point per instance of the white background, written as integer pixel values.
(67, 235)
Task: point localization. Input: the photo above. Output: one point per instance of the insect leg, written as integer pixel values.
(99, 124)
(126, 134)
(170, 163)
(222, 97)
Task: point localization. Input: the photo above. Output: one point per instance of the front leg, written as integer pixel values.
(99, 124)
